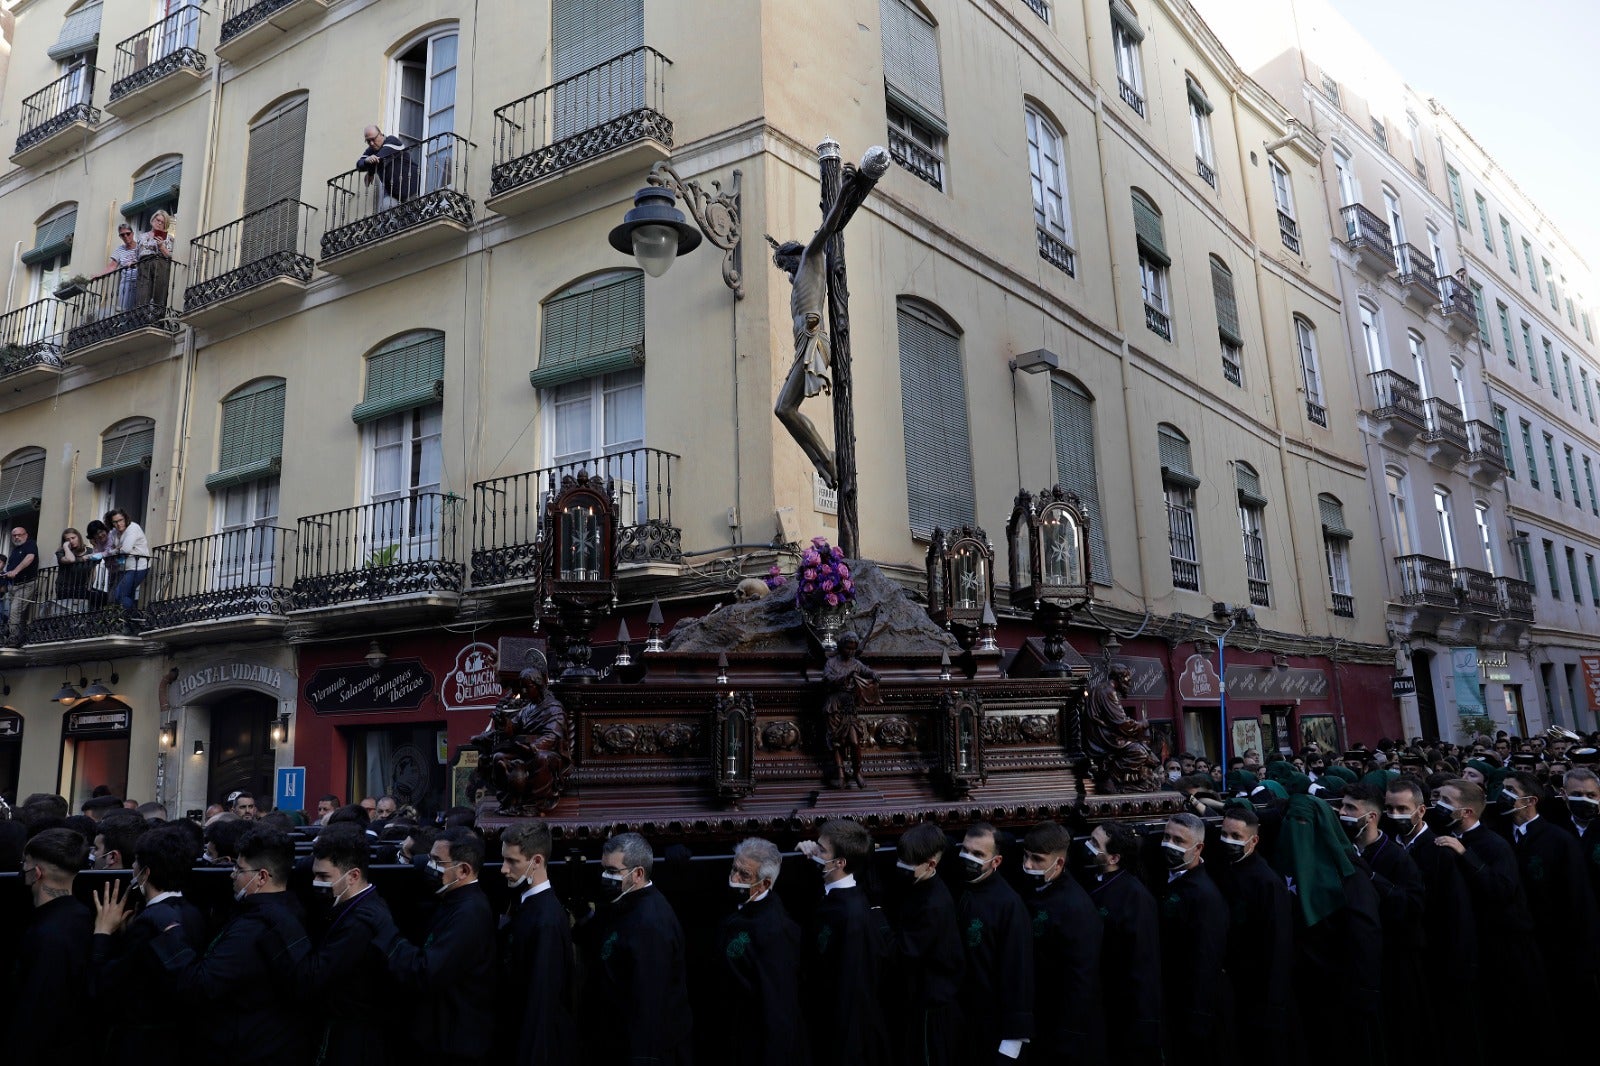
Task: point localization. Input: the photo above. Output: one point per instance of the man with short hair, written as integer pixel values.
(1260, 958)
(1130, 955)
(759, 964)
(370, 805)
(152, 812)
(115, 839)
(50, 970)
(384, 811)
(1069, 1021)
(1194, 943)
(20, 574)
(535, 1023)
(244, 805)
(389, 161)
(452, 972)
(997, 982)
(926, 958)
(1581, 790)
(843, 951)
(222, 838)
(326, 806)
(346, 976)
(97, 807)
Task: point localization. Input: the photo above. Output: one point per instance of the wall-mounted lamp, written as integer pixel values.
(66, 694)
(199, 747)
(280, 728)
(97, 691)
(1038, 361)
(169, 735)
(376, 656)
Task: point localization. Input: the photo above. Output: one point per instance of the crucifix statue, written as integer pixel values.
(822, 354)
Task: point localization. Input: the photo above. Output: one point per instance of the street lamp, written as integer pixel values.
(655, 232)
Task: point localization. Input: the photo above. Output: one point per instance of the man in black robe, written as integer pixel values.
(46, 1020)
(925, 953)
(1402, 895)
(535, 1021)
(1130, 955)
(451, 974)
(1260, 958)
(759, 963)
(1581, 790)
(1069, 1019)
(637, 993)
(842, 954)
(1194, 945)
(997, 981)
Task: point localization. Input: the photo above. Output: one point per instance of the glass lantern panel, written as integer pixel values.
(1061, 540)
(1020, 552)
(580, 542)
(971, 579)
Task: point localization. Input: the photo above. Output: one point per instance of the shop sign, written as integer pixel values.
(1464, 665)
(1591, 680)
(290, 793)
(223, 674)
(1403, 685)
(397, 685)
(1149, 677)
(1494, 667)
(473, 683)
(10, 727)
(1199, 682)
(81, 722)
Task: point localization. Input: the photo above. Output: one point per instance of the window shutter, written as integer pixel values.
(1123, 14)
(911, 63)
(1333, 518)
(124, 450)
(277, 153)
(586, 33)
(154, 189)
(22, 484)
(1227, 305)
(80, 32)
(252, 435)
(406, 373)
(1147, 227)
(1198, 95)
(53, 238)
(1249, 485)
(933, 396)
(595, 327)
(1072, 413)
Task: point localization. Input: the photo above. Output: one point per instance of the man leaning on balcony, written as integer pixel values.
(391, 162)
(22, 568)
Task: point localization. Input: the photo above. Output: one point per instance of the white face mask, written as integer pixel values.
(1034, 873)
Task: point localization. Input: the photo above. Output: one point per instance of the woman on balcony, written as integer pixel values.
(155, 262)
(123, 262)
(98, 590)
(73, 571)
(133, 550)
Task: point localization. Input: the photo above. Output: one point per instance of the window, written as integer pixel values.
(1457, 200)
(1153, 264)
(1372, 338)
(1527, 346)
(250, 513)
(1588, 335)
(1125, 37)
(244, 486)
(1419, 361)
(1283, 196)
(1525, 560)
(123, 476)
(75, 52)
(425, 89)
(1481, 309)
(1527, 257)
(1178, 482)
(1229, 337)
(1399, 510)
(1505, 332)
(1505, 437)
(1571, 317)
(1572, 475)
(933, 398)
(1550, 460)
(1397, 220)
(1550, 570)
(1205, 161)
(914, 88)
(1436, 252)
(584, 35)
(1483, 221)
(1460, 385)
(1588, 400)
(1550, 365)
(1040, 8)
(1336, 537)
(1380, 133)
(1047, 171)
(1072, 415)
(1594, 582)
(155, 188)
(1527, 451)
(273, 162)
(1511, 250)
(22, 490)
(401, 418)
(1447, 524)
(1252, 510)
(1330, 89)
(1550, 286)
(51, 253)
(1486, 535)
(1588, 477)
(1306, 344)
(1345, 170)
(1566, 371)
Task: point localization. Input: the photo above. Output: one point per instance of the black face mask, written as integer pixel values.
(973, 868)
(1440, 819)
(1233, 850)
(1352, 826)
(1397, 826)
(1582, 808)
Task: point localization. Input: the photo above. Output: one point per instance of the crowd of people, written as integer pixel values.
(1349, 911)
(102, 566)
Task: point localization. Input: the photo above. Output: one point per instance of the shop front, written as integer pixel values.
(229, 716)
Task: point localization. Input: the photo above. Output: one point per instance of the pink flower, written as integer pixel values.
(810, 557)
(847, 585)
(809, 573)
(828, 583)
(833, 599)
(821, 542)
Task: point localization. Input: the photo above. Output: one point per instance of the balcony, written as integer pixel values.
(1157, 322)
(1057, 254)
(57, 118)
(606, 123)
(1426, 581)
(1367, 236)
(508, 512)
(1344, 606)
(228, 586)
(249, 263)
(1289, 232)
(1130, 96)
(1446, 435)
(1477, 591)
(125, 312)
(1486, 461)
(919, 159)
(1415, 274)
(1317, 413)
(1460, 310)
(69, 608)
(1397, 408)
(412, 201)
(157, 63)
(249, 25)
(1260, 592)
(1516, 599)
(30, 344)
(400, 557)
(1207, 172)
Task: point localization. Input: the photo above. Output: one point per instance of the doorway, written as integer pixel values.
(1427, 702)
(240, 748)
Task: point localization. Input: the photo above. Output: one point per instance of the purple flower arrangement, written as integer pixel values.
(823, 580)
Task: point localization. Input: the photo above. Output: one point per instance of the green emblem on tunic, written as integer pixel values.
(1041, 922)
(1536, 868)
(975, 932)
(607, 948)
(824, 935)
(736, 947)
(1169, 906)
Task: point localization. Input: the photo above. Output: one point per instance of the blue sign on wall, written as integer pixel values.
(291, 791)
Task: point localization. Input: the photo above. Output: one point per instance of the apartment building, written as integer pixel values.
(1099, 261)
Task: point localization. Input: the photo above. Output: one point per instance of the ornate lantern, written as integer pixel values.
(1049, 539)
(733, 728)
(579, 564)
(961, 741)
(960, 569)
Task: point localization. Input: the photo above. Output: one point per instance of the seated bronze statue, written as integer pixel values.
(1118, 743)
(526, 751)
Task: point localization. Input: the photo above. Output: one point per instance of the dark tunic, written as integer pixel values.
(1069, 1019)
(137, 1035)
(241, 993)
(47, 1019)
(1562, 907)
(638, 990)
(1338, 974)
(1260, 957)
(345, 981)
(1451, 933)
(1508, 953)
(759, 963)
(1588, 838)
(536, 1024)
(450, 977)
(997, 982)
(1130, 969)
(842, 957)
(1194, 946)
(925, 975)
(1402, 897)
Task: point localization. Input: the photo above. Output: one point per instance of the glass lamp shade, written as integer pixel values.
(1058, 534)
(971, 580)
(655, 246)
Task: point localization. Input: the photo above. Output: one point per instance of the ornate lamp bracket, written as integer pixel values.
(716, 213)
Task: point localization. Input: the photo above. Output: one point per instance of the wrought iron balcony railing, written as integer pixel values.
(157, 51)
(67, 606)
(1477, 590)
(31, 336)
(124, 300)
(250, 251)
(594, 112)
(425, 182)
(240, 573)
(1445, 423)
(1260, 592)
(507, 513)
(1040, 8)
(1456, 299)
(400, 547)
(1425, 580)
(1344, 605)
(241, 15)
(1516, 599)
(919, 159)
(1396, 396)
(57, 106)
(1131, 97)
(1053, 251)
(1185, 574)
(1415, 267)
(1487, 445)
(1156, 321)
(1365, 230)
(1289, 231)
(1207, 172)
(1317, 413)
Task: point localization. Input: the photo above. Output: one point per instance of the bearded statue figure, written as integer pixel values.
(1117, 743)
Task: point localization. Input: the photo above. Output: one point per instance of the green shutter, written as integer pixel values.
(1483, 220)
(1457, 198)
(1147, 228)
(1198, 95)
(155, 190)
(252, 435)
(404, 374)
(80, 32)
(595, 327)
(53, 238)
(1483, 315)
(1227, 304)
(911, 73)
(22, 485)
(1072, 416)
(125, 451)
(1123, 14)
(1505, 439)
(933, 398)
(1249, 486)
(1176, 465)
(1332, 512)
(586, 33)
(275, 159)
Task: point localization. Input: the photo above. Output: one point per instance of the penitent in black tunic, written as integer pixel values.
(1194, 944)
(1402, 897)
(1130, 969)
(759, 964)
(451, 975)
(536, 1024)
(997, 982)
(123, 963)
(1069, 1019)
(925, 975)
(345, 982)
(1508, 954)
(638, 989)
(1260, 959)
(48, 978)
(842, 955)
(1563, 911)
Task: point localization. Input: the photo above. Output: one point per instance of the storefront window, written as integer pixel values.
(94, 751)
(407, 762)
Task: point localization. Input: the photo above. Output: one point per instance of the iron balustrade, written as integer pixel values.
(1477, 590)
(1232, 364)
(1487, 444)
(1396, 396)
(1317, 413)
(1425, 580)
(126, 299)
(238, 573)
(1207, 172)
(1456, 298)
(405, 546)
(56, 107)
(1415, 267)
(1289, 231)
(1131, 97)
(67, 605)
(1040, 8)
(250, 251)
(240, 15)
(1445, 423)
(1156, 321)
(1364, 229)
(508, 514)
(1516, 598)
(596, 111)
(1055, 252)
(1344, 605)
(156, 51)
(31, 335)
(422, 183)
(1185, 574)
(919, 159)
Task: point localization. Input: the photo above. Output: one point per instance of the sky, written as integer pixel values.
(1521, 77)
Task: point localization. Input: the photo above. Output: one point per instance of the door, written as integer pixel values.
(272, 180)
(1397, 223)
(1348, 193)
(1371, 339)
(406, 519)
(406, 762)
(247, 518)
(1427, 702)
(240, 751)
(584, 35)
(426, 108)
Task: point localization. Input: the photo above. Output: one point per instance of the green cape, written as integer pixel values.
(1314, 851)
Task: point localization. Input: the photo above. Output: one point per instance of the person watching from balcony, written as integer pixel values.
(155, 262)
(98, 590)
(133, 550)
(22, 568)
(391, 162)
(73, 569)
(124, 263)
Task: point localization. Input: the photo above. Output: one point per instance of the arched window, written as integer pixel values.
(1283, 197)
(1336, 537)
(933, 400)
(914, 90)
(1153, 265)
(591, 367)
(51, 253)
(22, 489)
(1179, 482)
(1305, 337)
(1252, 514)
(401, 415)
(424, 103)
(75, 50)
(1229, 332)
(1072, 414)
(1048, 173)
(155, 188)
(1205, 161)
(123, 475)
